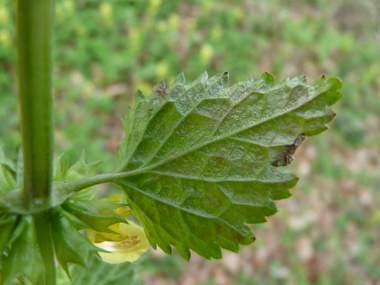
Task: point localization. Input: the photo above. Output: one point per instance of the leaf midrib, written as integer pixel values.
(144, 169)
(213, 180)
(179, 122)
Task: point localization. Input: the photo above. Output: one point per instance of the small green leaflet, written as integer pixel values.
(21, 255)
(203, 156)
(101, 273)
(24, 256)
(7, 172)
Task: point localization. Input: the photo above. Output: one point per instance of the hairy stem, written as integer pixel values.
(34, 62)
(11, 201)
(70, 187)
(34, 66)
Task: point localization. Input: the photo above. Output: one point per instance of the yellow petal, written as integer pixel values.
(118, 197)
(124, 211)
(127, 250)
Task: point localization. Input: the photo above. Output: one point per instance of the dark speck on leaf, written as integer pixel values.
(286, 157)
(161, 90)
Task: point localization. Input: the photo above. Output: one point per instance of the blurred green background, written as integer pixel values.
(328, 232)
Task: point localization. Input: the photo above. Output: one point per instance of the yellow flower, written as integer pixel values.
(64, 10)
(174, 21)
(5, 38)
(207, 53)
(216, 33)
(126, 246)
(238, 13)
(80, 30)
(162, 69)
(206, 7)
(154, 5)
(134, 36)
(107, 13)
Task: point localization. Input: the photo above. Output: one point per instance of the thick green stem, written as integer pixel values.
(34, 66)
(34, 52)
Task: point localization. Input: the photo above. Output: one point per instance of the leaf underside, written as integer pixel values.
(205, 156)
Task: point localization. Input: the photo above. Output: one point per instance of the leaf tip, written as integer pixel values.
(334, 84)
(225, 78)
(302, 79)
(59, 157)
(96, 163)
(139, 96)
(83, 156)
(180, 79)
(66, 270)
(203, 77)
(162, 84)
(268, 77)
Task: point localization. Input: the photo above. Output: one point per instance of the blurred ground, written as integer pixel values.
(328, 232)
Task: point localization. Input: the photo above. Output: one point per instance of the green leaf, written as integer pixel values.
(99, 215)
(75, 222)
(80, 169)
(101, 273)
(24, 280)
(7, 224)
(70, 245)
(200, 160)
(24, 256)
(7, 182)
(6, 162)
(57, 171)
